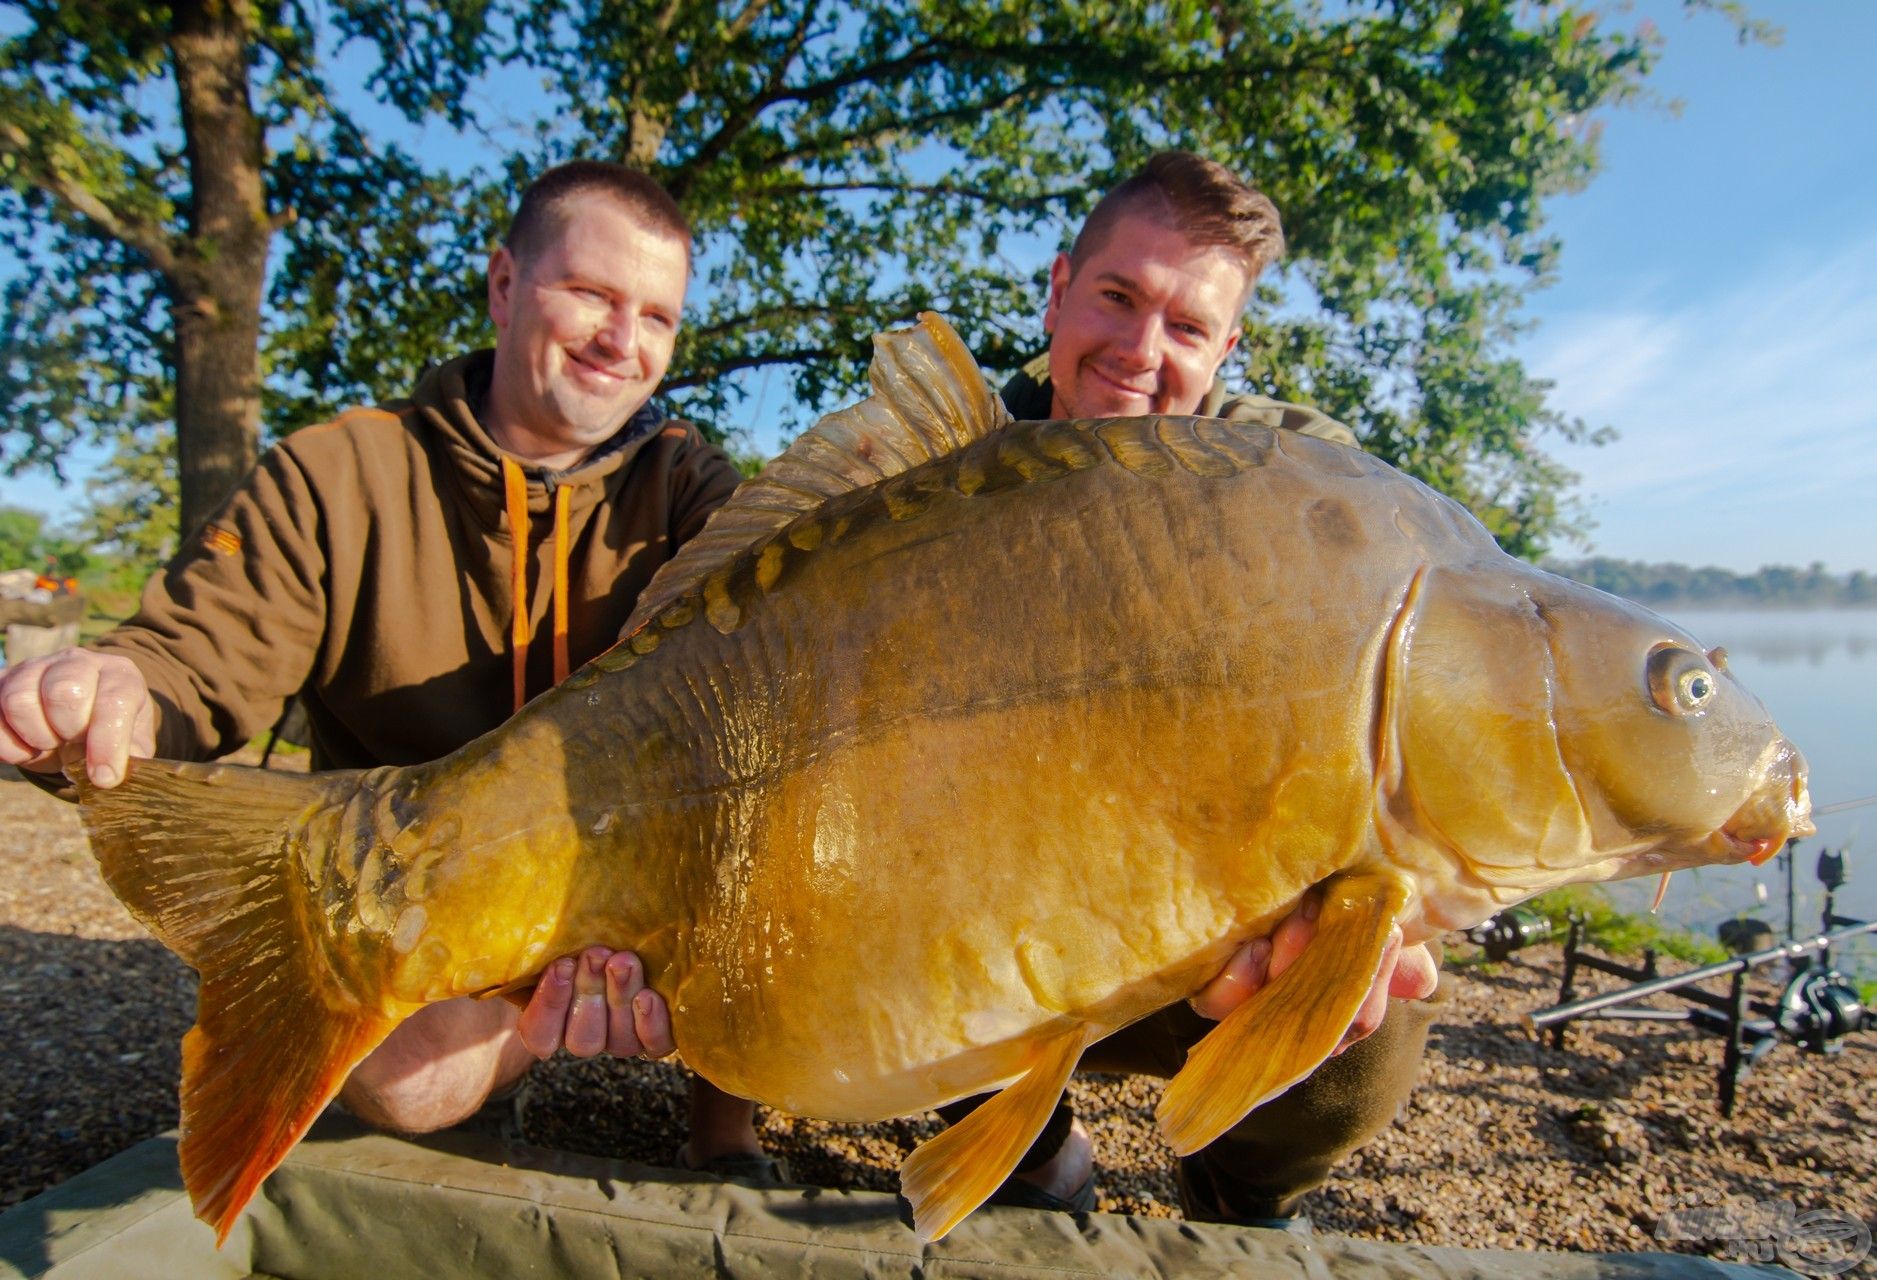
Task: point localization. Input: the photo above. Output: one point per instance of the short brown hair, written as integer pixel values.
(1201, 199)
(539, 212)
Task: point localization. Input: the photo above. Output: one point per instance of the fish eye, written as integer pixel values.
(1680, 682)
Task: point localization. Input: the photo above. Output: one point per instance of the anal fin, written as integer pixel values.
(1286, 1030)
(954, 1173)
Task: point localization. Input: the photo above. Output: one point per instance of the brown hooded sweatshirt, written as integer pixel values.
(367, 565)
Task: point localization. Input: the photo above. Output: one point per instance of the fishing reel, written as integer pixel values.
(1510, 930)
(1819, 1008)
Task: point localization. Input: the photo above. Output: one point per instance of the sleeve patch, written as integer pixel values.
(223, 542)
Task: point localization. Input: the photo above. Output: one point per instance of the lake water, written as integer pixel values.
(1817, 674)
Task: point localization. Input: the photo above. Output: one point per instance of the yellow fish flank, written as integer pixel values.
(951, 746)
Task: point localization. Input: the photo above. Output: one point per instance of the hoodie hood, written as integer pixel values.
(447, 398)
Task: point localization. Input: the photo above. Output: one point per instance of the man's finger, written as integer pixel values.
(625, 978)
(545, 1018)
(67, 690)
(586, 1020)
(1293, 934)
(143, 732)
(1241, 978)
(120, 723)
(1416, 975)
(22, 705)
(17, 751)
(652, 1020)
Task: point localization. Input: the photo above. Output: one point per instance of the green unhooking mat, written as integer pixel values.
(353, 1205)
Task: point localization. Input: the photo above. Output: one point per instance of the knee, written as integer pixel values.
(437, 1068)
(408, 1105)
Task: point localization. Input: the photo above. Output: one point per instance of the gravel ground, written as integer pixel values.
(1504, 1144)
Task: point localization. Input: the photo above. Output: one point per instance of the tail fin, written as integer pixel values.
(199, 854)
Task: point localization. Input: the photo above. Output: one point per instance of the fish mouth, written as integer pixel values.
(1780, 809)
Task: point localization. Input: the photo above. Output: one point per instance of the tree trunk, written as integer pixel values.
(215, 297)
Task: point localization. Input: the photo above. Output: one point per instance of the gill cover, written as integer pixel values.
(1478, 762)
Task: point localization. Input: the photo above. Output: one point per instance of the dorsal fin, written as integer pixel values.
(928, 400)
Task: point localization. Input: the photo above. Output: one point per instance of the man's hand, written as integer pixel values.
(77, 698)
(596, 1002)
(1405, 973)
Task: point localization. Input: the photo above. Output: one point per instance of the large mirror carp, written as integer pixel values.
(951, 746)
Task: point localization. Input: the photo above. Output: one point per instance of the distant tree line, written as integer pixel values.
(1774, 586)
(26, 542)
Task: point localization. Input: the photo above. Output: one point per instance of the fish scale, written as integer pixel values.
(950, 746)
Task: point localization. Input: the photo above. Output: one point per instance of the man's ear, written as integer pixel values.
(503, 274)
(1059, 273)
(1231, 342)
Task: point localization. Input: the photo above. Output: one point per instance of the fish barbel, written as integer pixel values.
(949, 747)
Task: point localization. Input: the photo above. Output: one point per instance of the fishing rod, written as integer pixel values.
(1816, 1010)
(1844, 805)
(1543, 1018)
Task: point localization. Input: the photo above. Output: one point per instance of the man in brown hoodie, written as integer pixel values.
(394, 568)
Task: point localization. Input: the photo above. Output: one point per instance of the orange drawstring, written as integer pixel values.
(517, 488)
(561, 496)
(515, 485)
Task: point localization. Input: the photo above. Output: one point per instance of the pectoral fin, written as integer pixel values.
(1289, 1027)
(954, 1173)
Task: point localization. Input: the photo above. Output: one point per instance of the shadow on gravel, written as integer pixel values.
(95, 1029)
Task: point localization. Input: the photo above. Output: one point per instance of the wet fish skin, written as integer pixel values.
(915, 788)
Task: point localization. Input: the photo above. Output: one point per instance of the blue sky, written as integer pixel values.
(1716, 300)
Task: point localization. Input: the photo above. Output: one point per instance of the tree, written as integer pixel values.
(144, 234)
(846, 165)
(26, 543)
(188, 224)
(19, 539)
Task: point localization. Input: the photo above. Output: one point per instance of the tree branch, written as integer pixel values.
(679, 180)
(928, 54)
(912, 124)
(716, 369)
(911, 188)
(146, 238)
(741, 23)
(785, 312)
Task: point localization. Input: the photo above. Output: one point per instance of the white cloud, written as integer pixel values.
(1748, 417)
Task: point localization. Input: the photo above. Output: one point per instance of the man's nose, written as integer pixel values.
(618, 334)
(1140, 342)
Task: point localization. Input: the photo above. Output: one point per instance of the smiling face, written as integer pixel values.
(585, 326)
(1142, 323)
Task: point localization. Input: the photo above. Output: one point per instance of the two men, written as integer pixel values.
(395, 567)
